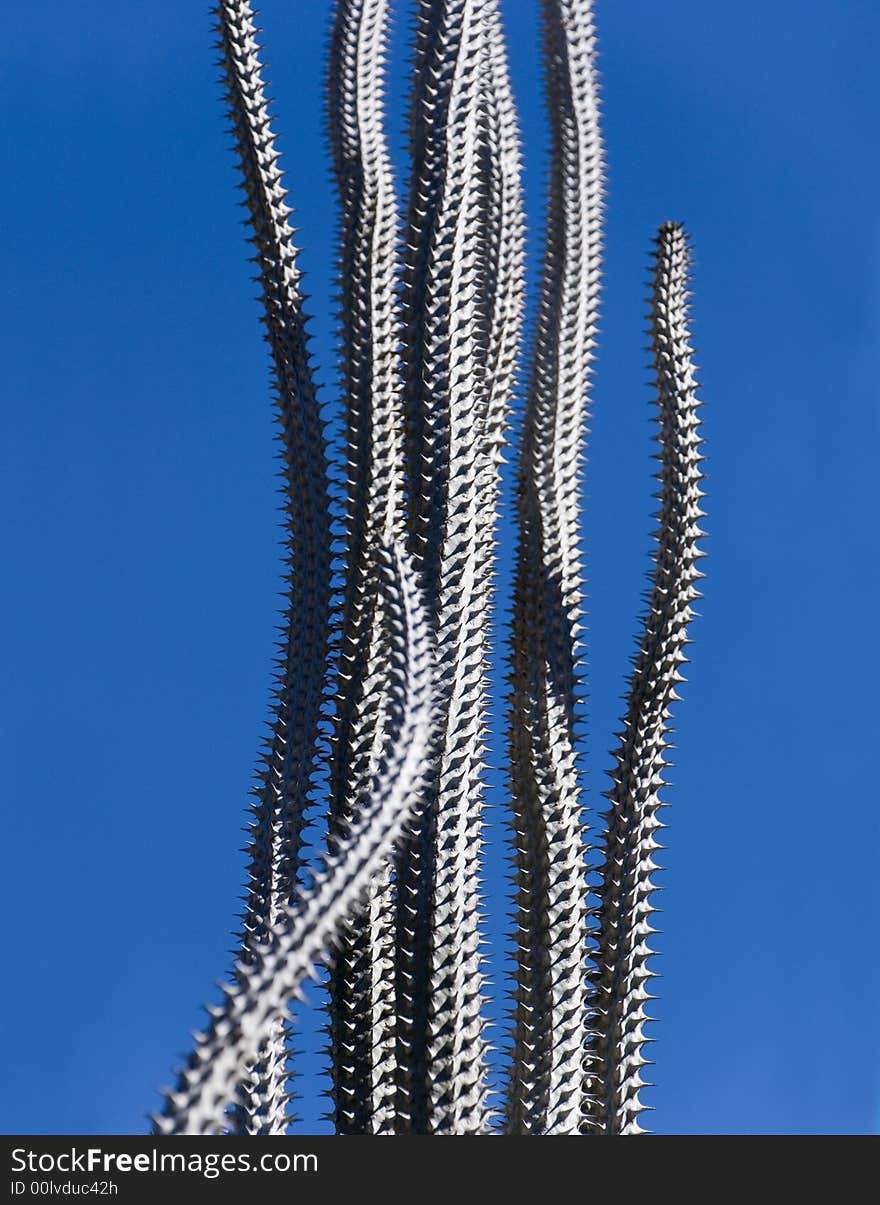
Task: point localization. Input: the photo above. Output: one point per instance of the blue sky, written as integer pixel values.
(139, 543)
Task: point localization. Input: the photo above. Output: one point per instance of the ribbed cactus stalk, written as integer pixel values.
(455, 416)
(305, 931)
(548, 1089)
(288, 765)
(430, 320)
(622, 972)
(362, 1002)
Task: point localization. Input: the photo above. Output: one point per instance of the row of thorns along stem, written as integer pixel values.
(431, 327)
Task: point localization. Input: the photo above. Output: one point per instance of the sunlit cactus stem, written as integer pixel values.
(548, 1088)
(362, 1002)
(622, 972)
(461, 119)
(305, 931)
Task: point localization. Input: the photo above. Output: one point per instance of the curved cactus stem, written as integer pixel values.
(285, 779)
(548, 1088)
(624, 931)
(304, 932)
(362, 1005)
(457, 323)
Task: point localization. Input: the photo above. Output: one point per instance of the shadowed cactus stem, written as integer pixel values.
(624, 931)
(547, 1091)
(286, 774)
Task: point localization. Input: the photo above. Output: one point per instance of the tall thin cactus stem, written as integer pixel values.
(289, 762)
(465, 161)
(305, 931)
(362, 1004)
(549, 1089)
(622, 973)
(389, 644)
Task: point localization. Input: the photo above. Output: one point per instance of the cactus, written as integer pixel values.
(621, 972)
(287, 771)
(362, 1027)
(548, 1084)
(305, 930)
(456, 419)
(431, 308)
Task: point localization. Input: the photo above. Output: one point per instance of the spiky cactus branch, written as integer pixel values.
(461, 120)
(285, 779)
(362, 1005)
(304, 932)
(503, 240)
(548, 1092)
(622, 973)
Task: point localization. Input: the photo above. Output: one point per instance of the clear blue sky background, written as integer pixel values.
(139, 538)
